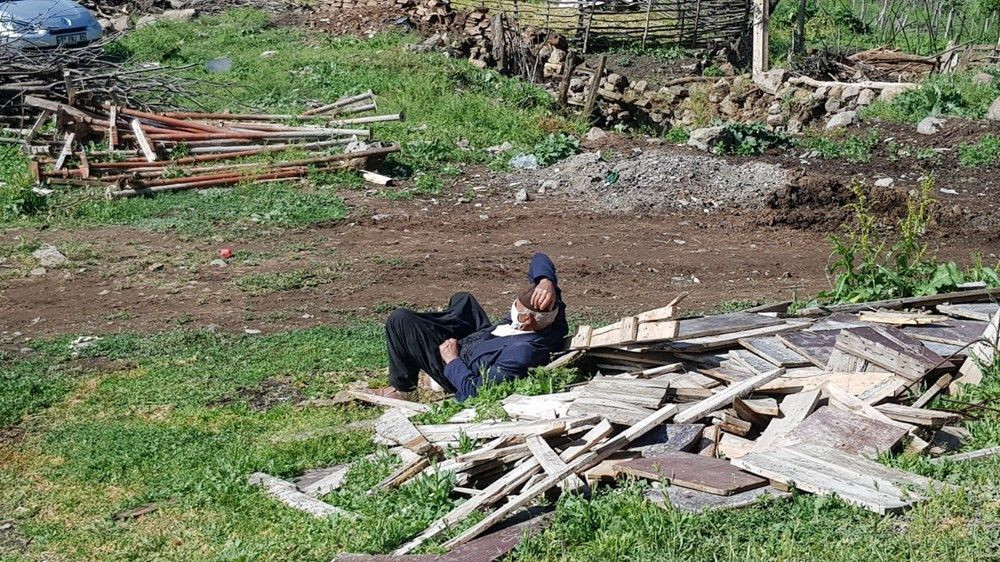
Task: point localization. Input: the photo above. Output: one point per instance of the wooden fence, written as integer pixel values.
(601, 23)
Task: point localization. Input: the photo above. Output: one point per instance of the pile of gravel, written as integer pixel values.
(659, 180)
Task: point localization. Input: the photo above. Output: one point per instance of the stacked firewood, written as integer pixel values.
(150, 152)
(715, 411)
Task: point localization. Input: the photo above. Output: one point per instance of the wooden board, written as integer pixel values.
(794, 408)
(723, 324)
(979, 295)
(846, 431)
(733, 446)
(982, 312)
(816, 346)
(696, 472)
(854, 479)
(322, 481)
(694, 501)
(708, 343)
(775, 351)
(668, 438)
(288, 494)
(725, 397)
(889, 349)
(952, 331)
(809, 378)
(933, 419)
(751, 361)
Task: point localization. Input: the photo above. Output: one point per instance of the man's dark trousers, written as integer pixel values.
(414, 338)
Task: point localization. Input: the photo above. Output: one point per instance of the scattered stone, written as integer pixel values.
(841, 120)
(524, 162)
(268, 54)
(890, 92)
(522, 196)
(706, 137)
(81, 343)
(37, 272)
(884, 182)
(499, 149)
(520, 243)
(982, 78)
(771, 80)
(929, 125)
(548, 185)
(156, 267)
(866, 97)
(218, 262)
(596, 134)
(381, 217)
(949, 191)
(993, 113)
(251, 331)
(49, 256)
(167, 16)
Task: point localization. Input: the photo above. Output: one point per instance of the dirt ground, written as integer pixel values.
(475, 238)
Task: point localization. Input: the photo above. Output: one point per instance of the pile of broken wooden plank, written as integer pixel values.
(717, 411)
(146, 153)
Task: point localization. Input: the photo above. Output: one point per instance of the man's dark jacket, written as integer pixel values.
(497, 359)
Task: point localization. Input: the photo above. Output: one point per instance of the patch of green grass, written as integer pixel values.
(263, 283)
(677, 135)
(955, 94)
(986, 152)
(16, 197)
(848, 147)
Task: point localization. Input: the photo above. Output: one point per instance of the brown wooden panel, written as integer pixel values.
(696, 472)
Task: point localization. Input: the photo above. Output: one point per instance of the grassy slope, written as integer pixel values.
(445, 101)
(166, 418)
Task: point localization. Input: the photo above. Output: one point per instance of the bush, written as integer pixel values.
(555, 147)
(747, 139)
(865, 270)
(940, 94)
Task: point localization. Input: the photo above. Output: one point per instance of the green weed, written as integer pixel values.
(867, 268)
(555, 147)
(939, 95)
(986, 152)
(852, 148)
(263, 283)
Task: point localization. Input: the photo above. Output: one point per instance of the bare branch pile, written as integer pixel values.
(149, 153)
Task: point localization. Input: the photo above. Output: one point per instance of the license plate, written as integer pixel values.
(71, 38)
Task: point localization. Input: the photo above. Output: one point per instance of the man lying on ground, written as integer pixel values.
(462, 350)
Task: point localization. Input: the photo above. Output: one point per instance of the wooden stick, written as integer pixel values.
(736, 390)
(567, 77)
(932, 391)
(594, 88)
(67, 149)
(143, 140)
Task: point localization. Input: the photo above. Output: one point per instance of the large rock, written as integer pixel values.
(866, 97)
(993, 113)
(890, 92)
(49, 256)
(596, 134)
(929, 125)
(843, 119)
(167, 16)
(706, 138)
(982, 78)
(771, 80)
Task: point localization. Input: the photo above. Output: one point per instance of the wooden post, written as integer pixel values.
(760, 43)
(569, 65)
(799, 37)
(586, 32)
(645, 32)
(594, 88)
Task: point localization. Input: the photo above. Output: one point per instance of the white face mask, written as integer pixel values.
(514, 322)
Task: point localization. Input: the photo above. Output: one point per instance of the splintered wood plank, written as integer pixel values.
(825, 471)
(143, 140)
(794, 408)
(668, 438)
(666, 313)
(983, 352)
(320, 482)
(763, 406)
(288, 494)
(616, 411)
(551, 463)
(933, 390)
(838, 321)
(846, 431)
(839, 398)
(775, 351)
(951, 331)
(707, 343)
(67, 149)
(809, 378)
(969, 456)
(696, 472)
(723, 324)
(909, 302)
(386, 401)
(565, 359)
(844, 362)
(816, 346)
(983, 312)
(733, 446)
(889, 351)
(753, 362)
(725, 397)
(933, 419)
(694, 501)
(657, 331)
(394, 426)
(896, 318)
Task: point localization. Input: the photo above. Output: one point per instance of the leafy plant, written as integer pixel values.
(852, 149)
(677, 135)
(868, 268)
(940, 94)
(986, 152)
(747, 139)
(555, 147)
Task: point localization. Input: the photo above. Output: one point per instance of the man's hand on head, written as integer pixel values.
(544, 295)
(449, 350)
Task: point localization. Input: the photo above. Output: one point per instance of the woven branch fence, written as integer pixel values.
(649, 23)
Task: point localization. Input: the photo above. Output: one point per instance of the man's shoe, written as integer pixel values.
(390, 392)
